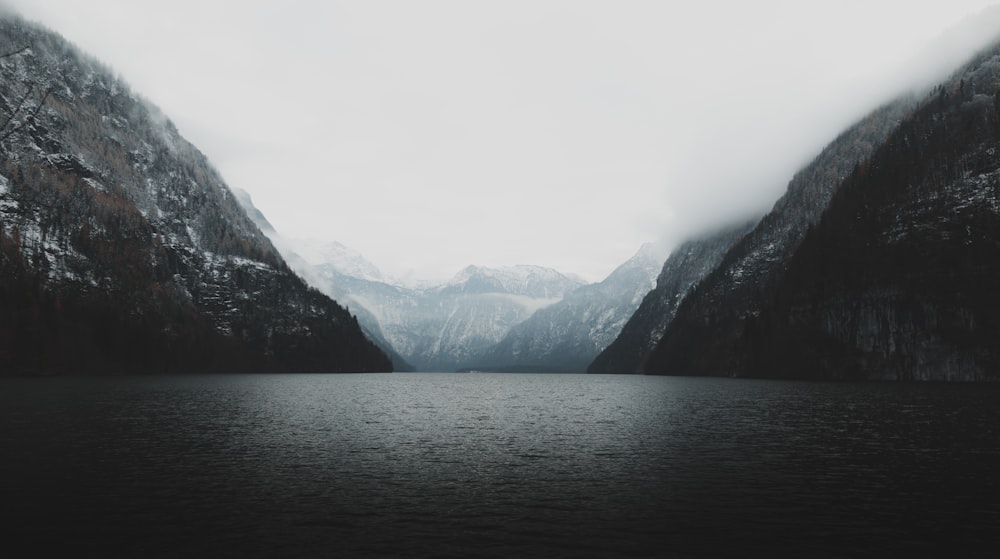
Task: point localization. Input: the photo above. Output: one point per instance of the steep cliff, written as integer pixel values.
(448, 327)
(898, 281)
(685, 267)
(122, 249)
(895, 281)
(566, 336)
(351, 261)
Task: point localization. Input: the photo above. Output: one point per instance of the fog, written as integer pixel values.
(565, 133)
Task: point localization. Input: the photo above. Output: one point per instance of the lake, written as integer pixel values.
(490, 465)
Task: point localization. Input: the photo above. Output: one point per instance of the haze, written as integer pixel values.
(432, 135)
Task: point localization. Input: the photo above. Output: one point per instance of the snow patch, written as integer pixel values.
(529, 304)
(196, 239)
(95, 184)
(344, 260)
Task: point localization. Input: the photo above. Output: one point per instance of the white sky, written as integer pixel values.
(430, 135)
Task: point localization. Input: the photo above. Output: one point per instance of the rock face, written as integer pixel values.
(447, 327)
(522, 318)
(885, 271)
(685, 267)
(566, 336)
(345, 259)
(122, 249)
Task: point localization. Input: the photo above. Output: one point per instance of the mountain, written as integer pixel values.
(535, 282)
(685, 267)
(448, 327)
(303, 256)
(345, 260)
(255, 215)
(565, 336)
(360, 294)
(441, 327)
(517, 318)
(895, 277)
(719, 279)
(122, 250)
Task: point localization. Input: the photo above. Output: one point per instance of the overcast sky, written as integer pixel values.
(429, 135)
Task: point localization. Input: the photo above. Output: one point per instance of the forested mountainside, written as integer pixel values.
(566, 336)
(121, 248)
(898, 278)
(685, 267)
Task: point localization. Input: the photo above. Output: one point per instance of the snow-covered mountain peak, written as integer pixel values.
(245, 200)
(345, 260)
(531, 281)
(650, 256)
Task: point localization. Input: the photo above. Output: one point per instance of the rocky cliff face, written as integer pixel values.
(448, 327)
(894, 281)
(566, 336)
(355, 268)
(685, 267)
(122, 249)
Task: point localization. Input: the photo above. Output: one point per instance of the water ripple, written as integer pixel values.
(497, 466)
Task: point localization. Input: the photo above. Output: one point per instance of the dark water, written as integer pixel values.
(496, 466)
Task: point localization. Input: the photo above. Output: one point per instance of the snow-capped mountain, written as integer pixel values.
(123, 250)
(565, 336)
(544, 284)
(319, 268)
(346, 261)
(441, 327)
(509, 318)
(430, 328)
(447, 327)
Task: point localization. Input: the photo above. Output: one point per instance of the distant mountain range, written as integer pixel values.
(121, 248)
(518, 318)
(568, 335)
(123, 251)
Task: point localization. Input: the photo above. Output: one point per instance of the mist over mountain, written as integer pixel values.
(121, 247)
(687, 265)
(741, 283)
(566, 336)
(447, 327)
(425, 326)
(304, 257)
(518, 318)
(728, 275)
(878, 262)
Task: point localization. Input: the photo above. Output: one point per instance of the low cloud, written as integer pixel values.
(564, 133)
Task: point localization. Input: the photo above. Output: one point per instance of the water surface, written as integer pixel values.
(479, 465)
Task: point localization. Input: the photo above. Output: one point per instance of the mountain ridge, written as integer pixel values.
(686, 265)
(567, 335)
(425, 325)
(879, 309)
(432, 326)
(123, 250)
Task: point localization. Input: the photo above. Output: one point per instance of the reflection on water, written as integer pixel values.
(475, 465)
